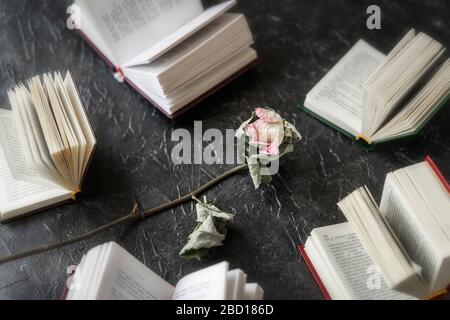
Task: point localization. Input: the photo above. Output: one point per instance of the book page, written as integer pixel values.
(252, 291)
(434, 194)
(55, 138)
(398, 213)
(19, 197)
(88, 29)
(49, 134)
(338, 96)
(380, 242)
(417, 111)
(32, 136)
(17, 156)
(385, 93)
(438, 200)
(416, 207)
(66, 104)
(181, 34)
(205, 284)
(66, 132)
(195, 49)
(83, 121)
(236, 280)
(196, 88)
(129, 27)
(391, 55)
(84, 283)
(350, 263)
(126, 278)
(14, 150)
(194, 57)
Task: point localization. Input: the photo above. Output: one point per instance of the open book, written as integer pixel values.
(408, 235)
(109, 272)
(375, 98)
(46, 145)
(174, 52)
(342, 268)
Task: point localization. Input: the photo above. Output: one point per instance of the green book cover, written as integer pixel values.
(366, 144)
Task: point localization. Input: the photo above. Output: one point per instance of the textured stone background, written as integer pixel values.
(299, 41)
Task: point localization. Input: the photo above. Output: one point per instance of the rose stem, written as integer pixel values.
(134, 215)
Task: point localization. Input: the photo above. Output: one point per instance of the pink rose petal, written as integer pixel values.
(273, 148)
(252, 132)
(267, 131)
(268, 116)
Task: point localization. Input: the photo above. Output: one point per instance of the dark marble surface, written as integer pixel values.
(299, 41)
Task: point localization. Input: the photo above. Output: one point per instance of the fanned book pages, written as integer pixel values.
(342, 268)
(375, 98)
(408, 235)
(174, 52)
(109, 272)
(46, 145)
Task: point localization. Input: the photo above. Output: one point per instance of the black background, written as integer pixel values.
(299, 41)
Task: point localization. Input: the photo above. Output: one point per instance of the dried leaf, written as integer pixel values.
(211, 229)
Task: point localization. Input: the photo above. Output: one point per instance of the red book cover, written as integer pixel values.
(438, 173)
(313, 271)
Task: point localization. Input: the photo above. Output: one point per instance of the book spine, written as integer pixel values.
(314, 273)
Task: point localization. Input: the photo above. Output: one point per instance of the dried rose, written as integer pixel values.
(265, 138)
